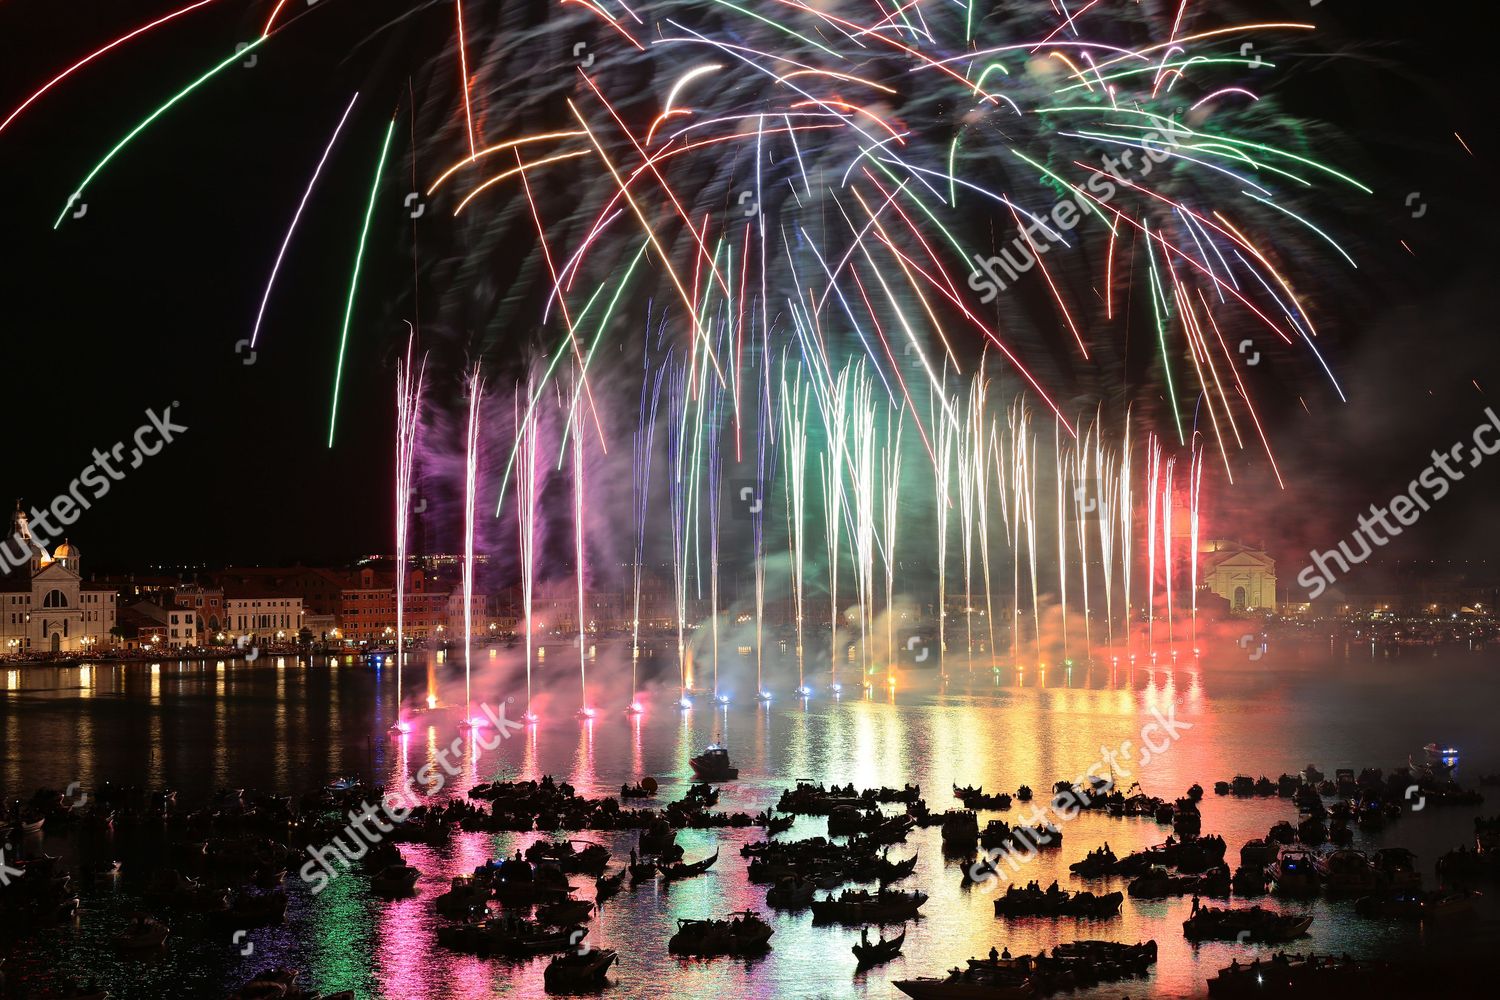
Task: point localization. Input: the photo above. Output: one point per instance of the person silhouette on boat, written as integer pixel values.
(1005, 954)
(994, 956)
(1196, 905)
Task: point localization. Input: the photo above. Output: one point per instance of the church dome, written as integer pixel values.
(66, 550)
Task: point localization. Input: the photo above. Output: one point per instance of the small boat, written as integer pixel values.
(713, 765)
(1441, 750)
(395, 880)
(606, 886)
(272, 984)
(564, 912)
(860, 906)
(744, 933)
(141, 934)
(508, 935)
(1252, 924)
(1294, 874)
(790, 893)
(466, 897)
(672, 872)
(575, 972)
(875, 952)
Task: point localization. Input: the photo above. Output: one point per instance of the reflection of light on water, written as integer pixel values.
(12, 680)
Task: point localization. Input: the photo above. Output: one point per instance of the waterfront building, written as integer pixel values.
(45, 605)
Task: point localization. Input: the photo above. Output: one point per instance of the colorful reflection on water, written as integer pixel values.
(292, 725)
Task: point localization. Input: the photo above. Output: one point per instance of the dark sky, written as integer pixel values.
(142, 301)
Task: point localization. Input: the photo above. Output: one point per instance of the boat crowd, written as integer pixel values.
(229, 858)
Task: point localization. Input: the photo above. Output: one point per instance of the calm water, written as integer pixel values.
(290, 725)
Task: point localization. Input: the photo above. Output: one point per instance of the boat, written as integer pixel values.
(875, 952)
(1441, 750)
(1259, 853)
(1158, 883)
(1347, 872)
(606, 886)
(1032, 901)
(564, 912)
(271, 984)
(464, 898)
(790, 893)
(672, 872)
(510, 935)
(860, 906)
(142, 934)
(1247, 925)
(713, 765)
(256, 909)
(578, 972)
(1397, 868)
(395, 880)
(575, 857)
(1096, 864)
(744, 933)
(1414, 904)
(1307, 976)
(1294, 874)
(974, 983)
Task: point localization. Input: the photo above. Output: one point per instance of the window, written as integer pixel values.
(55, 599)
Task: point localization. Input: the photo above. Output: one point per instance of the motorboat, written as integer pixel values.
(578, 972)
(1252, 924)
(713, 765)
(395, 880)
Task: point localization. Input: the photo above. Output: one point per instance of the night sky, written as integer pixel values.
(142, 302)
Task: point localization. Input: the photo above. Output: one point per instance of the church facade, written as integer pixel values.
(1242, 575)
(45, 606)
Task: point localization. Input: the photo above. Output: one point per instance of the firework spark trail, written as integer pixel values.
(947, 432)
(471, 497)
(129, 36)
(765, 456)
(1081, 501)
(1166, 539)
(1153, 487)
(678, 405)
(1127, 527)
(359, 258)
(715, 494)
(967, 441)
(1195, 481)
(890, 469)
(1108, 493)
(834, 405)
(575, 417)
(862, 483)
(645, 433)
(526, 515)
(408, 420)
(979, 456)
(1060, 469)
(794, 414)
(312, 183)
